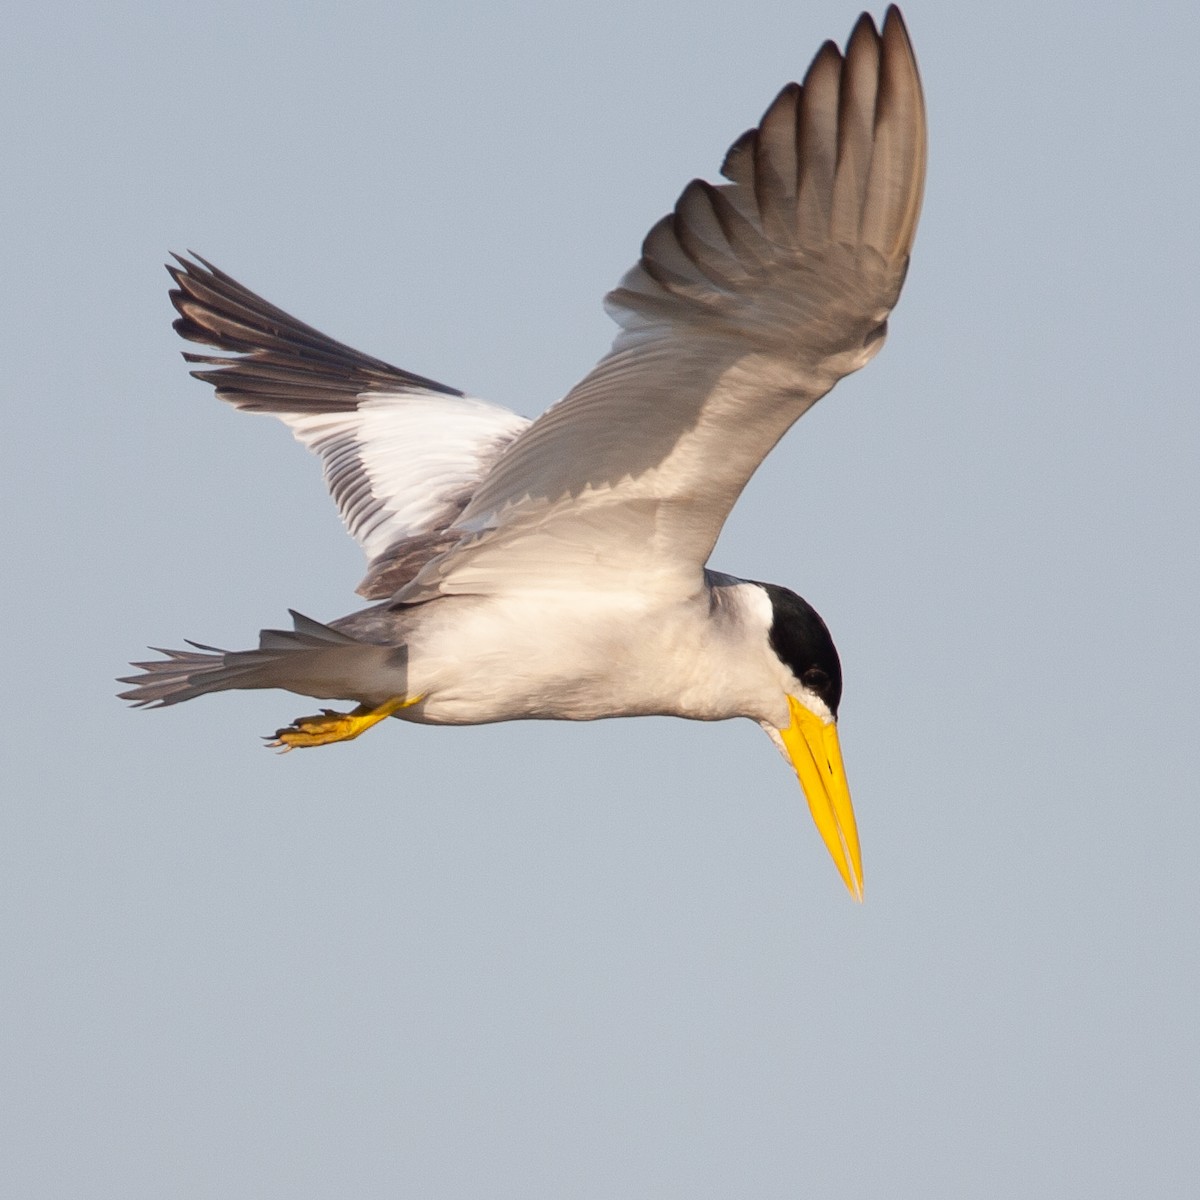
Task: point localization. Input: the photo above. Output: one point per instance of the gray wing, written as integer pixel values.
(750, 301)
(402, 455)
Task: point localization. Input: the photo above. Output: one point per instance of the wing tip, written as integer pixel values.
(275, 362)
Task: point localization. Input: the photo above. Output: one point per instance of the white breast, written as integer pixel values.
(581, 656)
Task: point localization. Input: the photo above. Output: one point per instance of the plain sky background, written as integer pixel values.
(613, 960)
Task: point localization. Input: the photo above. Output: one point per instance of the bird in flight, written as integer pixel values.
(556, 568)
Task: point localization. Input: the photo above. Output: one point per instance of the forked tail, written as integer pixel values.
(312, 659)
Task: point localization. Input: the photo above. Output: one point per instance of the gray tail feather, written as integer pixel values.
(185, 674)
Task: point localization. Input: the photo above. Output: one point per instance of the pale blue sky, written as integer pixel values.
(608, 961)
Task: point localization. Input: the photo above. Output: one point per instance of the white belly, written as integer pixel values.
(582, 657)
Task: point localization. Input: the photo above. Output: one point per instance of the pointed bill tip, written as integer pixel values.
(813, 747)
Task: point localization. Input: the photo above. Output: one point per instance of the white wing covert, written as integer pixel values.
(750, 301)
(402, 454)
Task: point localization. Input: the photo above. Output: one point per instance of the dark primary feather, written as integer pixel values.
(836, 163)
(283, 365)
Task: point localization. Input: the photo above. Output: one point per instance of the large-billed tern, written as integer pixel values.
(556, 568)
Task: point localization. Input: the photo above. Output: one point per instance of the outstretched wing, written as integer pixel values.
(751, 300)
(402, 454)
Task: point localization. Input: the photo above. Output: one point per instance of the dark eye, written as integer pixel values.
(816, 679)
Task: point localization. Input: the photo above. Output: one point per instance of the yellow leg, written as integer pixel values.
(329, 726)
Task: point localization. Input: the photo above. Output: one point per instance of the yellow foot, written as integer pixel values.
(329, 726)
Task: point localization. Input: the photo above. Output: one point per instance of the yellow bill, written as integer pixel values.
(812, 745)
